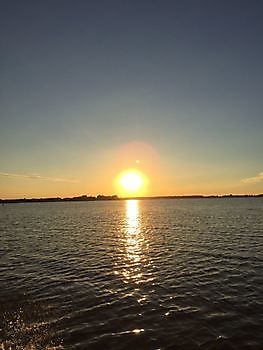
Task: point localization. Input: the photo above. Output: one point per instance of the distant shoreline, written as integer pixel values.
(86, 198)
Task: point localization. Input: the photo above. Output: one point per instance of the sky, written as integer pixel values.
(91, 88)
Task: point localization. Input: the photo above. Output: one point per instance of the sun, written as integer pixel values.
(131, 182)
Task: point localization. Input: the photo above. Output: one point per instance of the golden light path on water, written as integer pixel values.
(136, 263)
(134, 254)
(132, 217)
(133, 242)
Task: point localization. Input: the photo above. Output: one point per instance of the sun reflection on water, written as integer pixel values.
(132, 243)
(133, 232)
(132, 217)
(134, 264)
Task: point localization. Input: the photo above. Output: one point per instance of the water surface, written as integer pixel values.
(152, 274)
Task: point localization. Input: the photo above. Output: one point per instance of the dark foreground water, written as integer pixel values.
(156, 274)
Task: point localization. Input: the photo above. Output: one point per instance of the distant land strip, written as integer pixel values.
(85, 198)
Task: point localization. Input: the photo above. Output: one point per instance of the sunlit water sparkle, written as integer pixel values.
(153, 274)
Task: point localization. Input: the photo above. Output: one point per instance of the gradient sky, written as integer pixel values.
(89, 87)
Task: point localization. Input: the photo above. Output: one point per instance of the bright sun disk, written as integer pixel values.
(131, 182)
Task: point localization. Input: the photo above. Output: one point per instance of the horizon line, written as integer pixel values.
(100, 197)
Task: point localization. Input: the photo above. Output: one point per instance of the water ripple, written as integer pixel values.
(167, 274)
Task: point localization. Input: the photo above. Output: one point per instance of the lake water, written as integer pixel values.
(151, 274)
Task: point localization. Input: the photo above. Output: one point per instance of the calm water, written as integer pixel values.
(156, 274)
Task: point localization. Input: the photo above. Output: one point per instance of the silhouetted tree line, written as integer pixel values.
(83, 198)
(100, 197)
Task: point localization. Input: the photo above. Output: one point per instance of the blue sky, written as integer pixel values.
(81, 79)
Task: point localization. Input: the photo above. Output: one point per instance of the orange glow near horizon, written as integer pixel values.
(131, 182)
